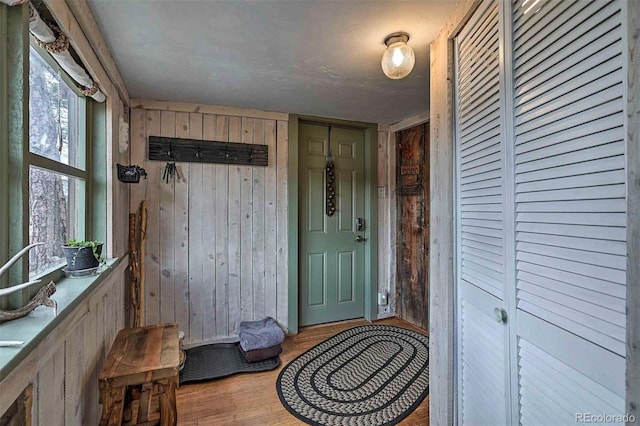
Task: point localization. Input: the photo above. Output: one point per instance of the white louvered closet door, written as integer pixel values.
(541, 212)
(482, 341)
(569, 208)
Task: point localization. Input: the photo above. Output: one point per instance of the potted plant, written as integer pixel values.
(83, 255)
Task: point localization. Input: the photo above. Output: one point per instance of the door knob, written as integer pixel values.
(500, 315)
(360, 239)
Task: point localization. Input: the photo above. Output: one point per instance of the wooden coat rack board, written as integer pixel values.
(198, 151)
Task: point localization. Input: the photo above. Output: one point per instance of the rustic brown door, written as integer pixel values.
(412, 287)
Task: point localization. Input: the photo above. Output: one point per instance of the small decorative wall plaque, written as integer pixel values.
(410, 170)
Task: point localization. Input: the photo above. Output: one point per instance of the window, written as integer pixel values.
(57, 161)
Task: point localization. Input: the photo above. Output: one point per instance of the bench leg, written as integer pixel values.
(133, 394)
(145, 402)
(112, 406)
(167, 397)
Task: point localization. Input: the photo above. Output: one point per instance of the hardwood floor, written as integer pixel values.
(251, 399)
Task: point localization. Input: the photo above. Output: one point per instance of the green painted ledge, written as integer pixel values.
(33, 328)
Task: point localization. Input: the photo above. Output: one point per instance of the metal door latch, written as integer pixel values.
(360, 239)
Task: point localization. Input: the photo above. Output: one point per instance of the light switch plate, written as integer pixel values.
(382, 192)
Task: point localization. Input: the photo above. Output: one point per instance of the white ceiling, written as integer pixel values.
(311, 57)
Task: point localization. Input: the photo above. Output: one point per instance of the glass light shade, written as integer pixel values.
(398, 60)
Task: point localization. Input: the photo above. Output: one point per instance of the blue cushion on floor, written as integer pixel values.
(260, 334)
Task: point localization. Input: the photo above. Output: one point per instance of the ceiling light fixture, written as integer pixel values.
(398, 59)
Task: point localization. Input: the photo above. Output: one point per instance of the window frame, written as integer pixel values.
(4, 142)
(14, 156)
(85, 205)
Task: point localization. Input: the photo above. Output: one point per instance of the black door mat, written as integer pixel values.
(220, 360)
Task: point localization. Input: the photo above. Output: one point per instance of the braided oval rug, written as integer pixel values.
(368, 375)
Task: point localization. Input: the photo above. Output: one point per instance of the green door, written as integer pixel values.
(331, 258)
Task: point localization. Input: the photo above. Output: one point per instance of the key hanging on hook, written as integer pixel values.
(170, 170)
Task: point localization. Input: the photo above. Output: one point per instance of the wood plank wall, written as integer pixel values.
(387, 220)
(63, 368)
(217, 237)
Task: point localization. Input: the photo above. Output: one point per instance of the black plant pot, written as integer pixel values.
(84, 259)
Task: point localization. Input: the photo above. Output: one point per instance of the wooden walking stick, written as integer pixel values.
(133, 272)
(141, 257)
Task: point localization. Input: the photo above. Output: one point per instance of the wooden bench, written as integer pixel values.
(142, 365)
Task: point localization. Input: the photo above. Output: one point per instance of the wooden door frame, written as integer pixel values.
(442, 297)
(631, 17)
(370, 212)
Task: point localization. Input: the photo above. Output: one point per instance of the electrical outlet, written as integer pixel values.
(382, 192)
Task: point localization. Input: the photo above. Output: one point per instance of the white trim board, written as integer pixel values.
(207, 109)
(633, 207)
(407, 123)
(82, 12)
(69, 25)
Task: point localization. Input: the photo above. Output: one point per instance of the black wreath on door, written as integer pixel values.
(330, 177)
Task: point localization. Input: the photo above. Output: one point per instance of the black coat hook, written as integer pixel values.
(195, 150)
